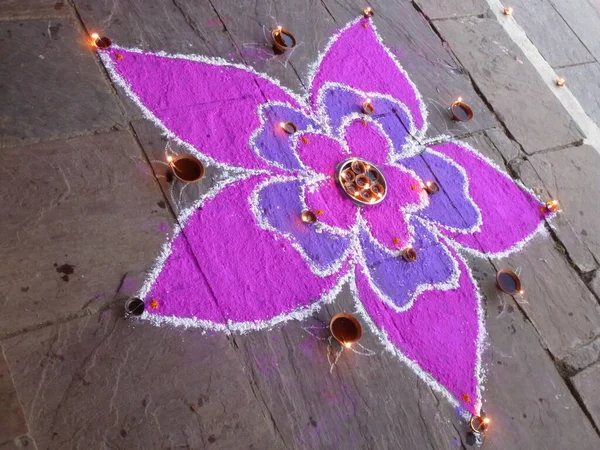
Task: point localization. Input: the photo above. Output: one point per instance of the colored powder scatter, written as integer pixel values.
(154, 304)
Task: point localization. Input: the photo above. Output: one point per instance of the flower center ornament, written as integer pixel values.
(362, 181)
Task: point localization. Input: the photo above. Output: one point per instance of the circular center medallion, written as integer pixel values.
(361, 181)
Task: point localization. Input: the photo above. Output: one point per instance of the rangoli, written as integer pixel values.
(244, 258)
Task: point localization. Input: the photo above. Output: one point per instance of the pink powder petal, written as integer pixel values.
(358, 59)
(212, 107)
(332, 206)
(320, 153)
(366, 141)
(439, 333)
(235, 271)
(509, 214)
(386, 219)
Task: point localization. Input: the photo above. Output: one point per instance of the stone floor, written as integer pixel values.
(572, 48)
(86, 208)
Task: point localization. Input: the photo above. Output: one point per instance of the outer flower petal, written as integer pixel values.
(356, 57)
(398, 282)
(387, 220)
(211, 106)
(441, 334)
(239, 274)
(452, 207)
(510, 215)
(331, 205)
(278, 207)
(272, 143)
(181, 289)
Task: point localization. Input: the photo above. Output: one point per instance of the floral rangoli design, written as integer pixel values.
(244, 258)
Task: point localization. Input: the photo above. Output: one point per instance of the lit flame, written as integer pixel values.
(95, 36)
(368, 10)
(282, 124)
(508, 11)
(486, 420)
(429, 184)
(169, 159)
(368, 101)
(521, 292)
(459, 99)
(279, 28)
(347, 344)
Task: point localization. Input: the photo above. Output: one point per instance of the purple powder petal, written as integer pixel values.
(273, 143)
(280, 205)
(358, 59)
(509, 214)
(440, 333)
(450, 207)
(397, 279)
(339, 102)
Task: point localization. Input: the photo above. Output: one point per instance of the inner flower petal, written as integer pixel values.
(331, 205)
(320, 153)
(399, 282)
(272, 143)
(387, 220)
(367, 141)
(279, 208)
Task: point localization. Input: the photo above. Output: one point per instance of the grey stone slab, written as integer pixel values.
(587, 385)
(508, 148)
(445, 9)
(532, 114)
(179, 194)
(558, 303)
(584, 82)
(325, 398)
(570, 237)
(529, 404)
(594, 283)
(34, 9)
(581, 358)
(561, 307)
(571, 176)
(51, 85)
(583, 17)
(436, 73)
(104, 381)
(561, 46)
(13, 422)
(251, 30)
(21, 443)
(155, 25)
(82, 221)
